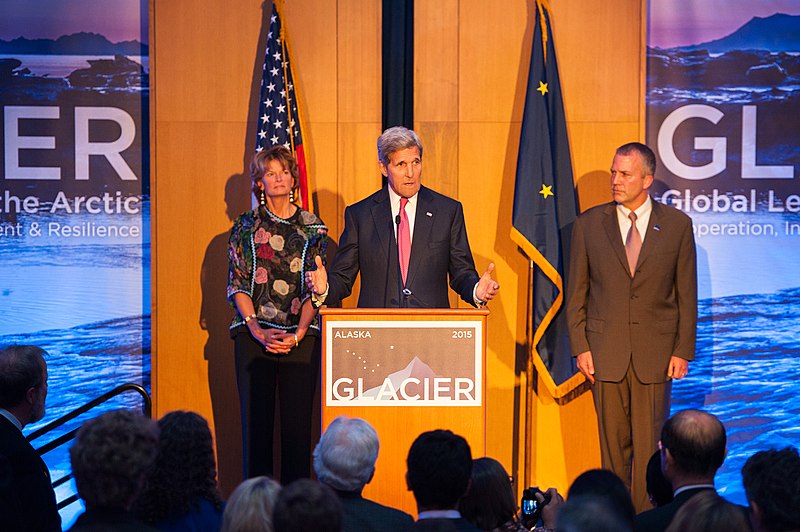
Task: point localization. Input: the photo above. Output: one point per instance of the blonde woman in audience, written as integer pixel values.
(250, 506)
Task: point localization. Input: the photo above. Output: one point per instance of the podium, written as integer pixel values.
(405, 371)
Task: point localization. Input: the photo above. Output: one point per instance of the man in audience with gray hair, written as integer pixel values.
(344, 460)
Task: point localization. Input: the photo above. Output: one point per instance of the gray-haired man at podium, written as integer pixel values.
(405, 239)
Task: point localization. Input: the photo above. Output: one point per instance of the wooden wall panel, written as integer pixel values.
(493, 59)
(436, 48)
(471, 72)
(599, 58)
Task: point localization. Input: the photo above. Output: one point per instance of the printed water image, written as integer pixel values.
(75, 209)
(746, 347)
(721, 116)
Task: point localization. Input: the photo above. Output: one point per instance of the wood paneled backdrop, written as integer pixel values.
(471, 72)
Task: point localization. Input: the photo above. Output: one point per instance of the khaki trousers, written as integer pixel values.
(630, 415)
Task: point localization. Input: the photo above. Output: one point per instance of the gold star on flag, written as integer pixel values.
(542, 88)
(547, 190)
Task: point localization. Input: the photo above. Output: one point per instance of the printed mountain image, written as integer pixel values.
(120, 73)
(763, 52)
(415, 369)
(83, 43)
(776, 33)
(758, 65)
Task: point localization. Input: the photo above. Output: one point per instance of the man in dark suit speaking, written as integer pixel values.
(405, 240)
(632, 313)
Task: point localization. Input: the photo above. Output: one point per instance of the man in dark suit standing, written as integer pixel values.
(632, 313)
(405, 239)
(344, 460)
(25, 488)
(692, 449)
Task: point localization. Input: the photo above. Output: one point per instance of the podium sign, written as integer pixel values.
(405, 371)
(374, 362)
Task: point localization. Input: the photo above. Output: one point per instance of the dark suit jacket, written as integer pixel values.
(105, 520)
(646, 318)
(363, 515)
(658, 519)
(444, 525)
(24, 484)
(439, 249)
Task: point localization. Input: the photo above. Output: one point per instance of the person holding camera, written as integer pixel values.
(490, 503)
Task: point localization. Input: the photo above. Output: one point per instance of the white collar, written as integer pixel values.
(11, 417)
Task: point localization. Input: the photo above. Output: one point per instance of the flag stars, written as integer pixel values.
(542, 88)
(268, 103)
(281, 108)
(262, 134)
(547, 190)
(278, 123)
(271, 87)
(277, 56)
(274, 140)
(264, 118)
(274, 71)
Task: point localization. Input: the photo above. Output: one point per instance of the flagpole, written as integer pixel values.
(529, 375)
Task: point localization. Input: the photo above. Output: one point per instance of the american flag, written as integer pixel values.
(278, 116)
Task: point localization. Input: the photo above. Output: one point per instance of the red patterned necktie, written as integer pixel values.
(633, 244)
(403, 239)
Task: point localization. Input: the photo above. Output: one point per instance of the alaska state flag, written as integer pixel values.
(545, 210)
(278, 108)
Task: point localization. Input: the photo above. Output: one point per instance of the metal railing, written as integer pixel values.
(68, 436)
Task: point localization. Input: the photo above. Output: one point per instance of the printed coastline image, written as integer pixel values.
(74, 204)
(723, 88)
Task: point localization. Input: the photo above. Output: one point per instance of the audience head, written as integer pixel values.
(772, 484)
(185, 469)
(490, 501)
(605, 486)
(658, 487)
(306, 505)
(439, 466)
(394, 139)
(708, 512)
(251, 505)
(591, 513)
(111, 458)
(23, 382)
(692, 447)
(345, 456)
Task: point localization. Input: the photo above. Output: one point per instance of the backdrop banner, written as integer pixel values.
(723, 96)
(74, 199)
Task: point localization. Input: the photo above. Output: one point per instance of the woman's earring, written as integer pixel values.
(262, 200)
(291, 196)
